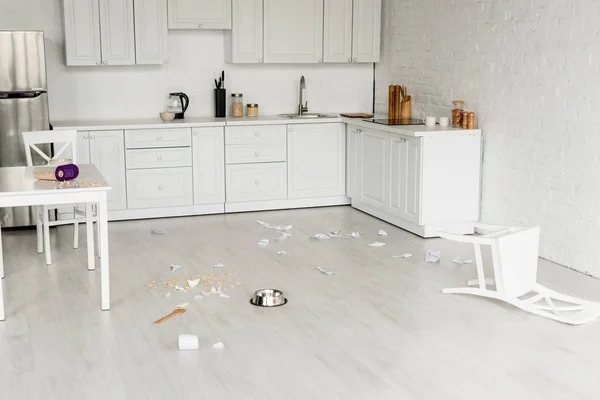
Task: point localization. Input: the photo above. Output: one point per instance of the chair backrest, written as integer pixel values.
(66, 138)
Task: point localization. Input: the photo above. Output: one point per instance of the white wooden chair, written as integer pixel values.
(63, 142)
(515, 261)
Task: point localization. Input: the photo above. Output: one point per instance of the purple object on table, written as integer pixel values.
(66, 172)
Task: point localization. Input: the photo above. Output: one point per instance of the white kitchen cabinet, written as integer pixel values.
(366, 31)
(405, 178)
(352, 141)
(373, 172)
(116, 32)
(293, 31)
(82, 32)
(107, 153)
(337, 31)
(244, 43)
(208, 149)
(199, 14)
(161, 187)
(150, 32)
(316, 160)
(256, 182)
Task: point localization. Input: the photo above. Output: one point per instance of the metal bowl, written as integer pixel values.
(268, 298)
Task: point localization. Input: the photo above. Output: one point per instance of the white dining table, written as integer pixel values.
(19, 187)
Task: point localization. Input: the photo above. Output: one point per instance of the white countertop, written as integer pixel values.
(411, 130)
(190, 122)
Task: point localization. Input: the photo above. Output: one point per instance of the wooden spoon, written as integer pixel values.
(179, 311)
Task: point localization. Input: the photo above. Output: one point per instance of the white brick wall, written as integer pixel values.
(531, 72)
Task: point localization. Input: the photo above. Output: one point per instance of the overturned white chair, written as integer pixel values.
(515, 261)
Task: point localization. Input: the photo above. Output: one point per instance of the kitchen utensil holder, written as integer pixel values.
(405, 109)
(220, 103)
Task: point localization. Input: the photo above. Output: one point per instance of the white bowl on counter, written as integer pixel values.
(167, 116)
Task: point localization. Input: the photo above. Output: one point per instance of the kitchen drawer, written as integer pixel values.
(159, 158)
(255, 153)
(255, 182)
(259, 134)
(164, 187)
(148, 138)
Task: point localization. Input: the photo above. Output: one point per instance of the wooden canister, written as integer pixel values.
(405, 110)
(391, 102)
(471, 121)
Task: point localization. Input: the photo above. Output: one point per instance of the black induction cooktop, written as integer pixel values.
(404, 121)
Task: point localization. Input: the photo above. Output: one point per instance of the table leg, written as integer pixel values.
(1, 281)
(38, 229)
(46, 223)
(89, 227)
(1, 257)
(104, 272)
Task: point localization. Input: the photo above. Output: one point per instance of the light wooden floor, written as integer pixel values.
(378, 329)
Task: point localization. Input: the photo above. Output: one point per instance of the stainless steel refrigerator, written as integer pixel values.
(23, 105)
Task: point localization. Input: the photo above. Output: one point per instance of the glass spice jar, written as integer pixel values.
(457, 113)
(252, 110)
(237, 105)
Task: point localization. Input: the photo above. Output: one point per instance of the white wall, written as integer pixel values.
(531, 72)
(195, 59)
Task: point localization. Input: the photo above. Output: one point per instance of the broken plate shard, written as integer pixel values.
(205, 293)
(223, 295)
(193, 283)
(337, 233)
(182, 305)
(276, 227)
(219, 265)
(376, 244)
(263, 243)
(433, 256)
(461, 262)
(155, 231)
(175, 267)
(320, 236)
(284, 236)
(355, 235)
(218, 346)
(325, 271)
(382, 233)
(179, 288)
(167, 295)
(405, 255)
(198, 297)
(281, 253)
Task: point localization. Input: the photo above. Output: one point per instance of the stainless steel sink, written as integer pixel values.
(306, 116)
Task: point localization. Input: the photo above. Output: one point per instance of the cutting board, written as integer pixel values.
(357, 115)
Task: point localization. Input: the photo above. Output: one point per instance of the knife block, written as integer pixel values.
(405, 110)
(220, 103)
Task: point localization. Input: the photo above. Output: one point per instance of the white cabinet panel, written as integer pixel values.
(150, 31)
(164, 187)
(337, 32)
(256, 182)
(245, 41)
(353, 142)
(116, 32)
(405, 178)
(147, 138)
(107, 153)
(159, 158)
(373, 171)
(366, 36)
(260, 134)
(293, 31)
(83, 148)
(82, 32)
(250, 153)
(199, 14)
(316, 160)
(209, 165)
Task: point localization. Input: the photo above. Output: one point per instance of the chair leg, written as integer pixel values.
(98, 244)
(46, 224)
(89, 227)
(39, 229)
(1, 259)
(75, 231)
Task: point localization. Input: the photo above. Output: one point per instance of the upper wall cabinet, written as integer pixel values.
(366, 31)
(245, 40)
(103, 32)
(337, 32)
(293, 31)
(200, 14)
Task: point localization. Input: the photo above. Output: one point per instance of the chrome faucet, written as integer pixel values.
(302, 108)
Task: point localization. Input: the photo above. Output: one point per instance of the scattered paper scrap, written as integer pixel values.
(337, 233)
(214, 290)
(175, 267)
(193, 283)
(223, 295)
(218, 346)
(179, 288)
(284, 236)
(198, 297)
(182, 305)
(382, 233)
(320, 236)
(281, 253)
(405, 255)
(276, 227)
(457, 260)
(433, 256)
(325, 271)
(219, 265)
(167, 295)
(376, 244)
(205, 293)
(263, 243)
(155, 231)
(355, 235)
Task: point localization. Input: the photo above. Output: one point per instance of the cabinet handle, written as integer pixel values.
(256, 134)
(195, 133)
(355, 59)
(260, 60)
(98, 63)
(320, 60)
(92, 136)
(257, 183)
(160, 187)
(166, 61)
(200, 26)
(159, 158)
(159, 138)
(257, 153)
(290, 129)
(104, 62)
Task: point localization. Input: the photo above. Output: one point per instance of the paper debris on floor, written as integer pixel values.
(223, 295)
(338, 234)
(320, 236)
(325, 271)
(263, 243)
(175, 267)
(355, 235)
(167, 295)
(376, 244)
(405, 255)
(155, 231)
(205, 293)
(193, 283)
(457, 260)
(382, 233)
(219, 265)
(433, 256)
(179, 288)
(281, 253)
(284, 236)
(276, 227)
(218, 346)
(198, 297)
(182, 305)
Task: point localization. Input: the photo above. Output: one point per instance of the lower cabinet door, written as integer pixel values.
(373, 169)
(208, 148)
(256, 182)
(164, 187)
(405, 178)
(107, 153)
